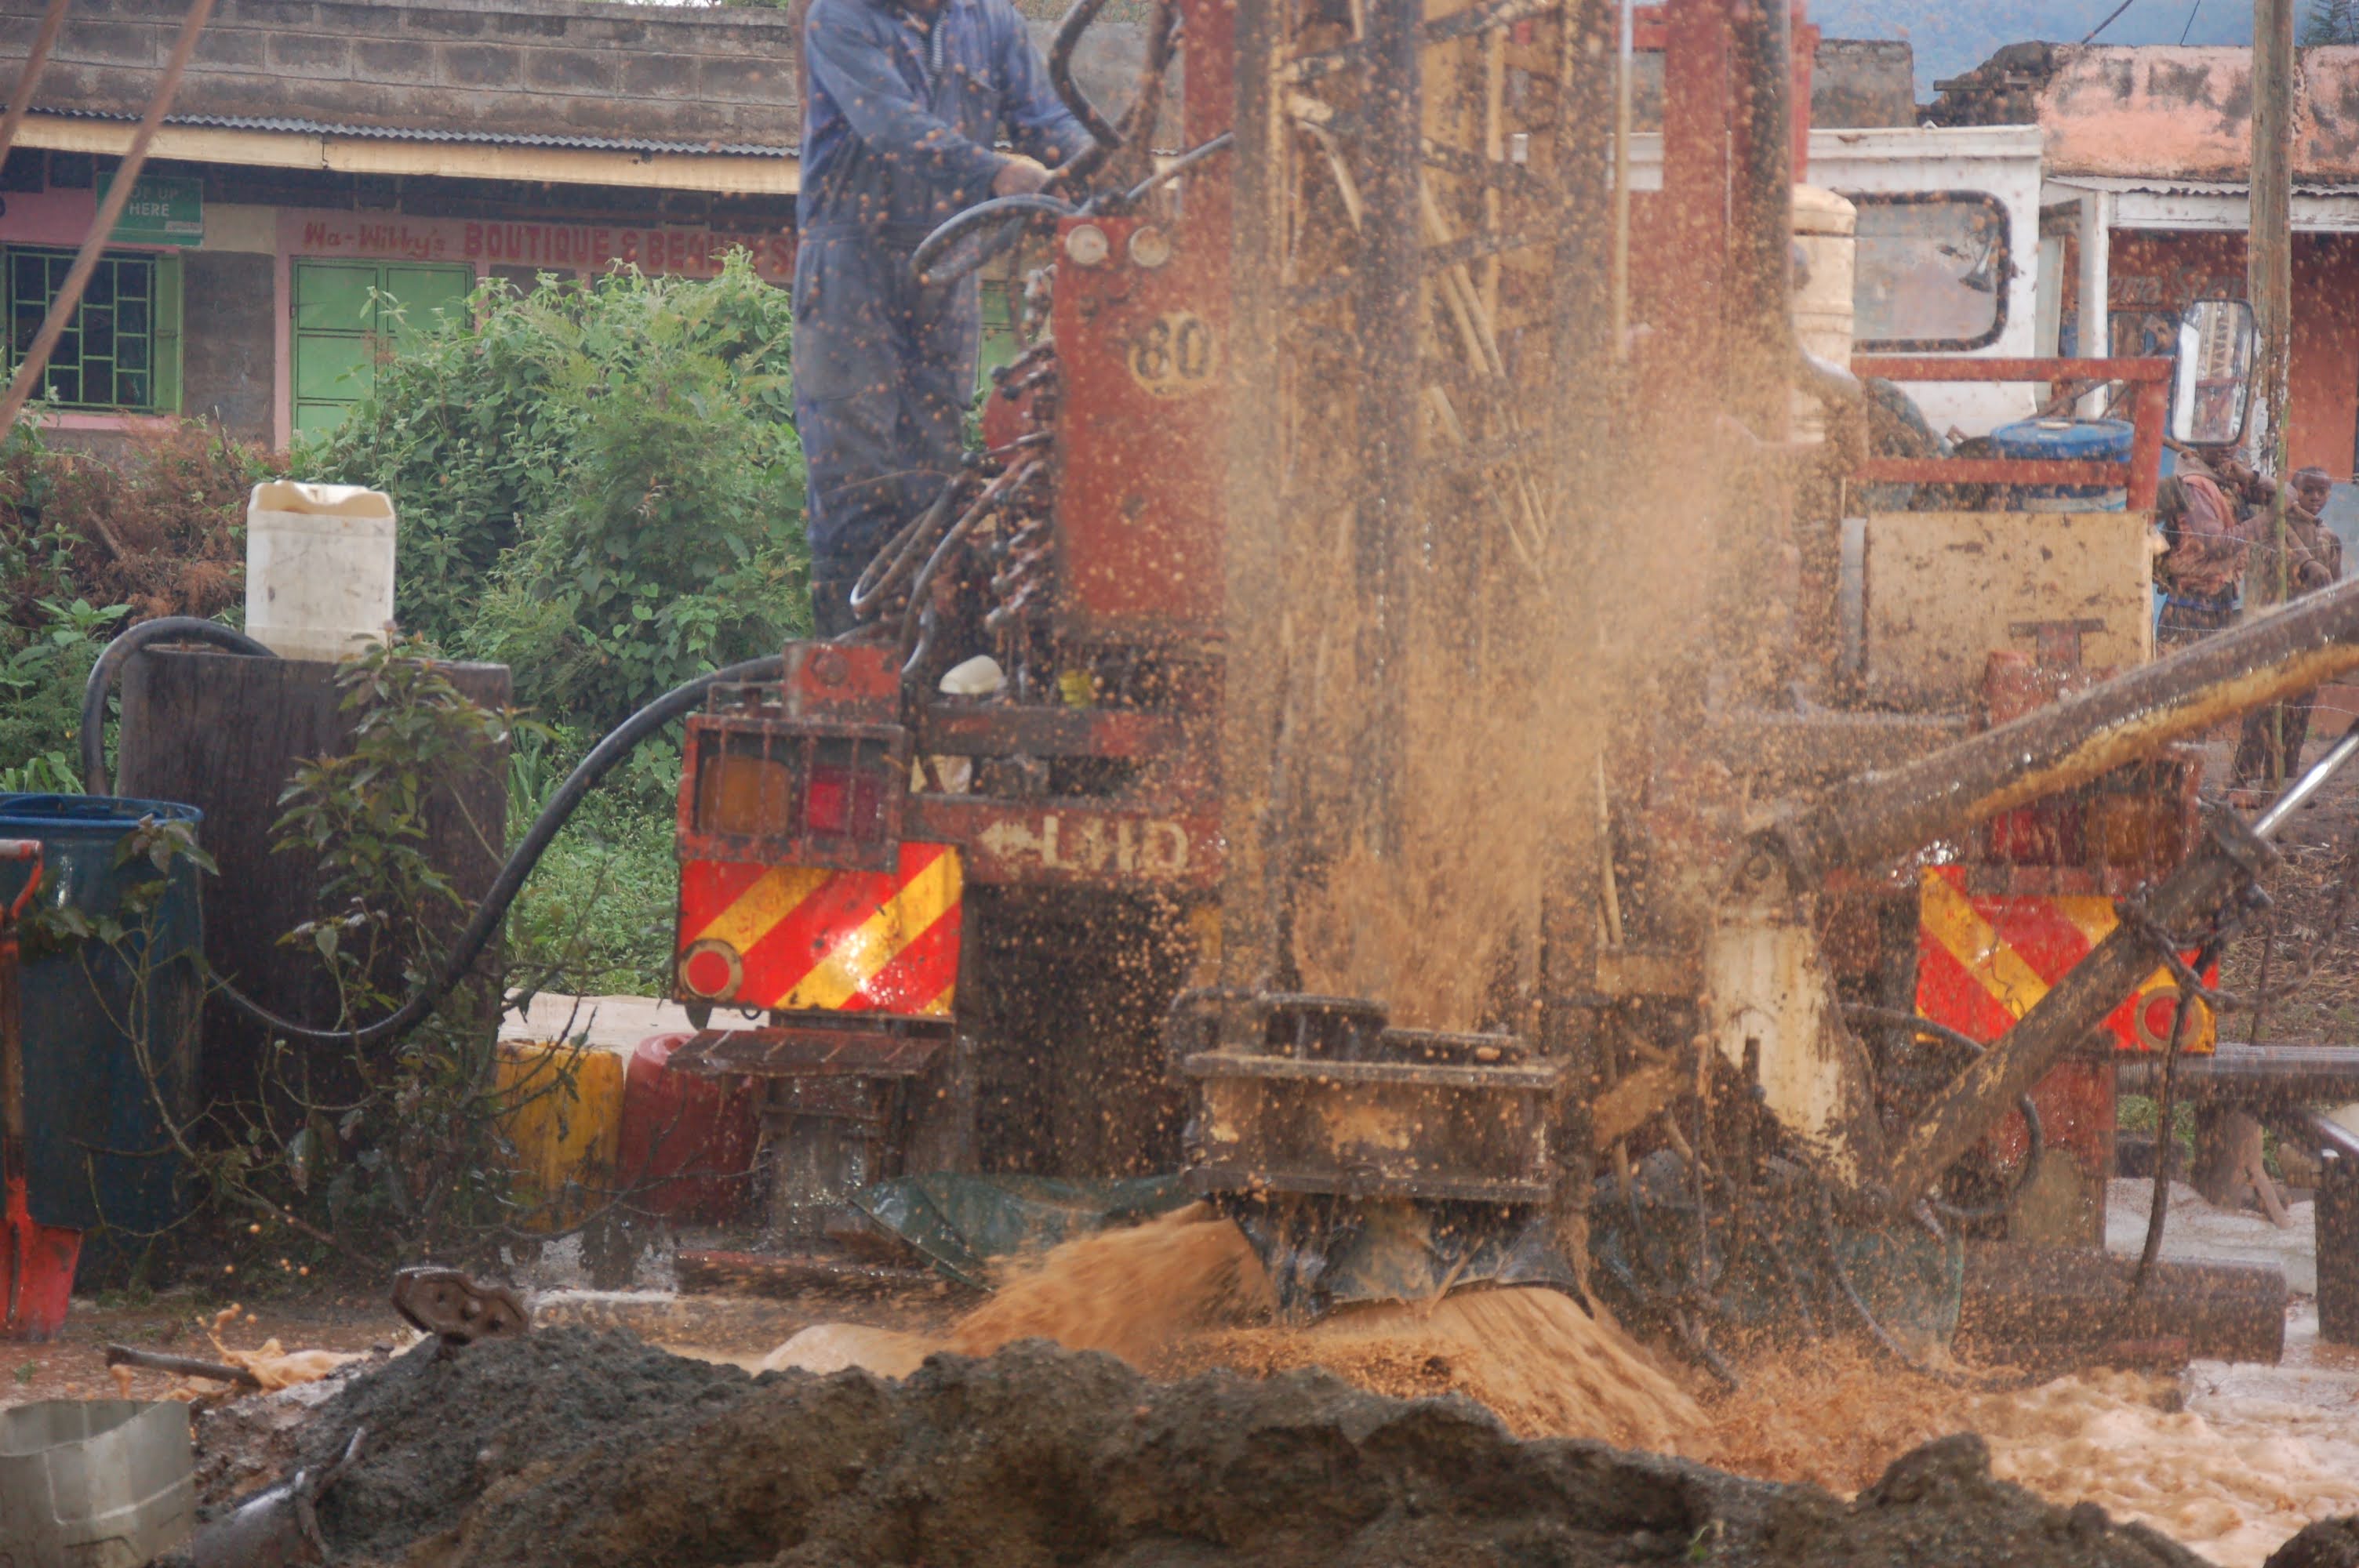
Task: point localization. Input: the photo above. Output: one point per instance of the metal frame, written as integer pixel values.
(2151, 377)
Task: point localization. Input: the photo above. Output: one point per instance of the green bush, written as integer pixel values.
(598, 487)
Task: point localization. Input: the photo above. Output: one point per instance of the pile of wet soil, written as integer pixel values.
(582, 1449)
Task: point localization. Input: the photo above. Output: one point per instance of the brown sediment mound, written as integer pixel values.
(1169, 1297)
(566, 1448)
(1131, 1292)
(1532, 1357)
(1829, 1415)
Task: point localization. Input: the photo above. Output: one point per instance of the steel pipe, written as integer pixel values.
(1878, 817)
(2016, 1294)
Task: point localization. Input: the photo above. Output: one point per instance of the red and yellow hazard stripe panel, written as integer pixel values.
(1982, 963)
(805, 936)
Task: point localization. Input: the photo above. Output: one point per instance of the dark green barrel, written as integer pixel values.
(100, 1025)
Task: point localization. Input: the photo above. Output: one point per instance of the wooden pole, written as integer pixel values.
(36, 364)
(2269, 260)
(30, 77)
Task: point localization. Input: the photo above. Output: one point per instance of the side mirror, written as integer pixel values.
(2212, 389)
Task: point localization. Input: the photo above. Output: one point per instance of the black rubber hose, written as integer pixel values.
(1078, 21)
(992, 495)
(103, 674)
(619, 743)
(1012, 211)
(887, 566)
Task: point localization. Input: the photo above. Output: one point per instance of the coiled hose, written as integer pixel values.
(104, 674)
(618, 743)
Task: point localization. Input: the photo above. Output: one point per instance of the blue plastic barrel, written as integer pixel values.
(2071, 440)
(98, 1160)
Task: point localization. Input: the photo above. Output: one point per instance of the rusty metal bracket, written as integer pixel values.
(456, 1308)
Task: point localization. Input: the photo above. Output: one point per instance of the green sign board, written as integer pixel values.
(164, 210)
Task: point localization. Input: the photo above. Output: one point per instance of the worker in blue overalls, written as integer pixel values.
(906, 102)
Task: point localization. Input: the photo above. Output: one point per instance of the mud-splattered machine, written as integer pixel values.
(1332, 606)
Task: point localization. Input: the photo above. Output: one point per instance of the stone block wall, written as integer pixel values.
(532, 67)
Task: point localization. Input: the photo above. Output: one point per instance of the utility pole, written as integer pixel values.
(2269, 281)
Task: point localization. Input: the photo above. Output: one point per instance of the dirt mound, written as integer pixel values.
(442, 1430)
(572, 1449)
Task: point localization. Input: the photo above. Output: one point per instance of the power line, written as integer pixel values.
(2110, 19)
(2191, 20)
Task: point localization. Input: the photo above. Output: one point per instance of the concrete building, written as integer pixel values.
(325, 153)
(2147, 199)
(323, 156)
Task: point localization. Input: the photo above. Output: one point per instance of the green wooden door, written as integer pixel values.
(345, 311)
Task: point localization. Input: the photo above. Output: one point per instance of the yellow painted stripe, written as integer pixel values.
(1971, 941)
(859, 955)
(2093, 917)
(774, 895)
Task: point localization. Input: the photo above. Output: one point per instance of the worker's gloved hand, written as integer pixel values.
(1020, 175)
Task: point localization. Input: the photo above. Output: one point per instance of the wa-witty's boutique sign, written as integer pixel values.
(558, 247)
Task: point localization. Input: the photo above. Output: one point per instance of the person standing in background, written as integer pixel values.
(2313, 561)
(2203, 563)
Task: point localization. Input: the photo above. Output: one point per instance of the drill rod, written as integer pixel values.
(2231, 858)
(1878, 817)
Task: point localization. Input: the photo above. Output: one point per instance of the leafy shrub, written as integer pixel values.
(599, 487)
(89, 544)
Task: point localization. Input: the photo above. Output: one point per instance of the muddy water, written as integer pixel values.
(2231, 1477)
(2230, 1463)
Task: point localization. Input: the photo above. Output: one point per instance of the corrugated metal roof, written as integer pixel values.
(414, 134)
(2168, 185)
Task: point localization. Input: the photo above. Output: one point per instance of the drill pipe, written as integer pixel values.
(1877, 817)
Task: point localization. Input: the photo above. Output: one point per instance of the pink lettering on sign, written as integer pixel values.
(559, 247)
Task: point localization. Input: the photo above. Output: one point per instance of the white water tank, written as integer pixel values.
(319, 568)
(1825, 224)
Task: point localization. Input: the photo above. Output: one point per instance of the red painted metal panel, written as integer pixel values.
(783, 936)
(1142, 440)
(1983, 960)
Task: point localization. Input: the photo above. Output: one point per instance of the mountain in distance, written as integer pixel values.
(1953, 37)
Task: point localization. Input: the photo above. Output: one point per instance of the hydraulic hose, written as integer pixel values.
(103, 674)
(618, 743)
(2034, 1134)
(1077, 21)
(1010, 212)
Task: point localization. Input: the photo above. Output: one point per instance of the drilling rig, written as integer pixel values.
(1326, 744)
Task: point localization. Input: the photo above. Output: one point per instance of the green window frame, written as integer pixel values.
(347, 313)
(121, 352)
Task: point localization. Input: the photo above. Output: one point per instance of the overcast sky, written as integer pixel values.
(1951, 37)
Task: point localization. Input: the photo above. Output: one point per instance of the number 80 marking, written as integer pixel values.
(1175, 355)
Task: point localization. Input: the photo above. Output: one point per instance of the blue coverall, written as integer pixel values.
(898, 127)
